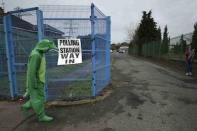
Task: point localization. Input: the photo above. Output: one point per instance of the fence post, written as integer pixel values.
(40, 25)
(108, 41)
(10, 55)
(92, 19)
(153, 48)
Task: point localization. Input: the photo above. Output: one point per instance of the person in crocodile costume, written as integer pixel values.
(36, 79)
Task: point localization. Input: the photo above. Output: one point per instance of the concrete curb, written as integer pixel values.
(80, 102)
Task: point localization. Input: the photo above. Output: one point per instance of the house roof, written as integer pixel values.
(52, 29)
(20, 23)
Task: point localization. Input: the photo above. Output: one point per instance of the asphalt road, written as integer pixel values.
(146, 97)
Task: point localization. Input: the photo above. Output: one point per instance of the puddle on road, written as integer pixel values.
(169, 114)
(190, 81)
(149, 97)
(108, 129)
(140, 117)
(187, 86)
(129, 114)
(134, 100)
(188, 101)
(119, 110)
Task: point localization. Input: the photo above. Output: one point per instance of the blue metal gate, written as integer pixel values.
(87, 23)
(21, 34)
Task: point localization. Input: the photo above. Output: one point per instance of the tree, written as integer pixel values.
(1, 12)
(159, 35)
(194, 37)
(124, 44)
(113, 46)
(176, 49)
(130, 31)
(133, 41)
(183, 44)
(147, 31)
(165, 42)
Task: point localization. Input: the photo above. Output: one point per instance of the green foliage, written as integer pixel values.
(115, 46)
(78, 89)
(194, 37)
(159, 35)
(118, 45)
(1, 12)
(130, 48)
(183, 44)
(133, 48)
(165, 42)
(151, 49)
(180, 47)
(148, 28)
(177, 49)
(146, 32)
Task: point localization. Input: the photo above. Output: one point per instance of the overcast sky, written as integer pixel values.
(179, 15)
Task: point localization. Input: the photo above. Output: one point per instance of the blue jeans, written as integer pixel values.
(189, 65)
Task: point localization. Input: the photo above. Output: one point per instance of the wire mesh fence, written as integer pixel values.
(76, 80)
(25, 37)
(159, 50)
(4, 80)
(102, 56)
(86, 23)
(66, 11)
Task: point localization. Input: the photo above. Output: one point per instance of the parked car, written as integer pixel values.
(121, 51)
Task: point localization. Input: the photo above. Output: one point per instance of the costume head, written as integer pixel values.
(46, 45)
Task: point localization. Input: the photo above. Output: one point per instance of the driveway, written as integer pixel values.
(146, 97)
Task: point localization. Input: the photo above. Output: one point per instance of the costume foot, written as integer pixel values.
(25, 111)
(45, 118)
(25, 107)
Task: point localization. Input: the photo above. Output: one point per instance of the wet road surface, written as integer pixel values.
(146, 97)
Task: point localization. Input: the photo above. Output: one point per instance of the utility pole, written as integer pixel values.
(71, 29)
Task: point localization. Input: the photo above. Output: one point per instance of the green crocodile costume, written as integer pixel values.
(36, 79)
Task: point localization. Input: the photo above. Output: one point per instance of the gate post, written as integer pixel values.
(10, 55)
(93, 54)
(39, 14)
(107, 50)
(40, 25)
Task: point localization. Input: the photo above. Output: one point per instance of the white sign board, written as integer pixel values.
(69, 51)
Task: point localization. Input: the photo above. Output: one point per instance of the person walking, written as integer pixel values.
(189, 56)
(192, 56)
(36, 79)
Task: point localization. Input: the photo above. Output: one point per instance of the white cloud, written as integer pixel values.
(179, 15)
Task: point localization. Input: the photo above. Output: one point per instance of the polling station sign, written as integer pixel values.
(69, 51)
